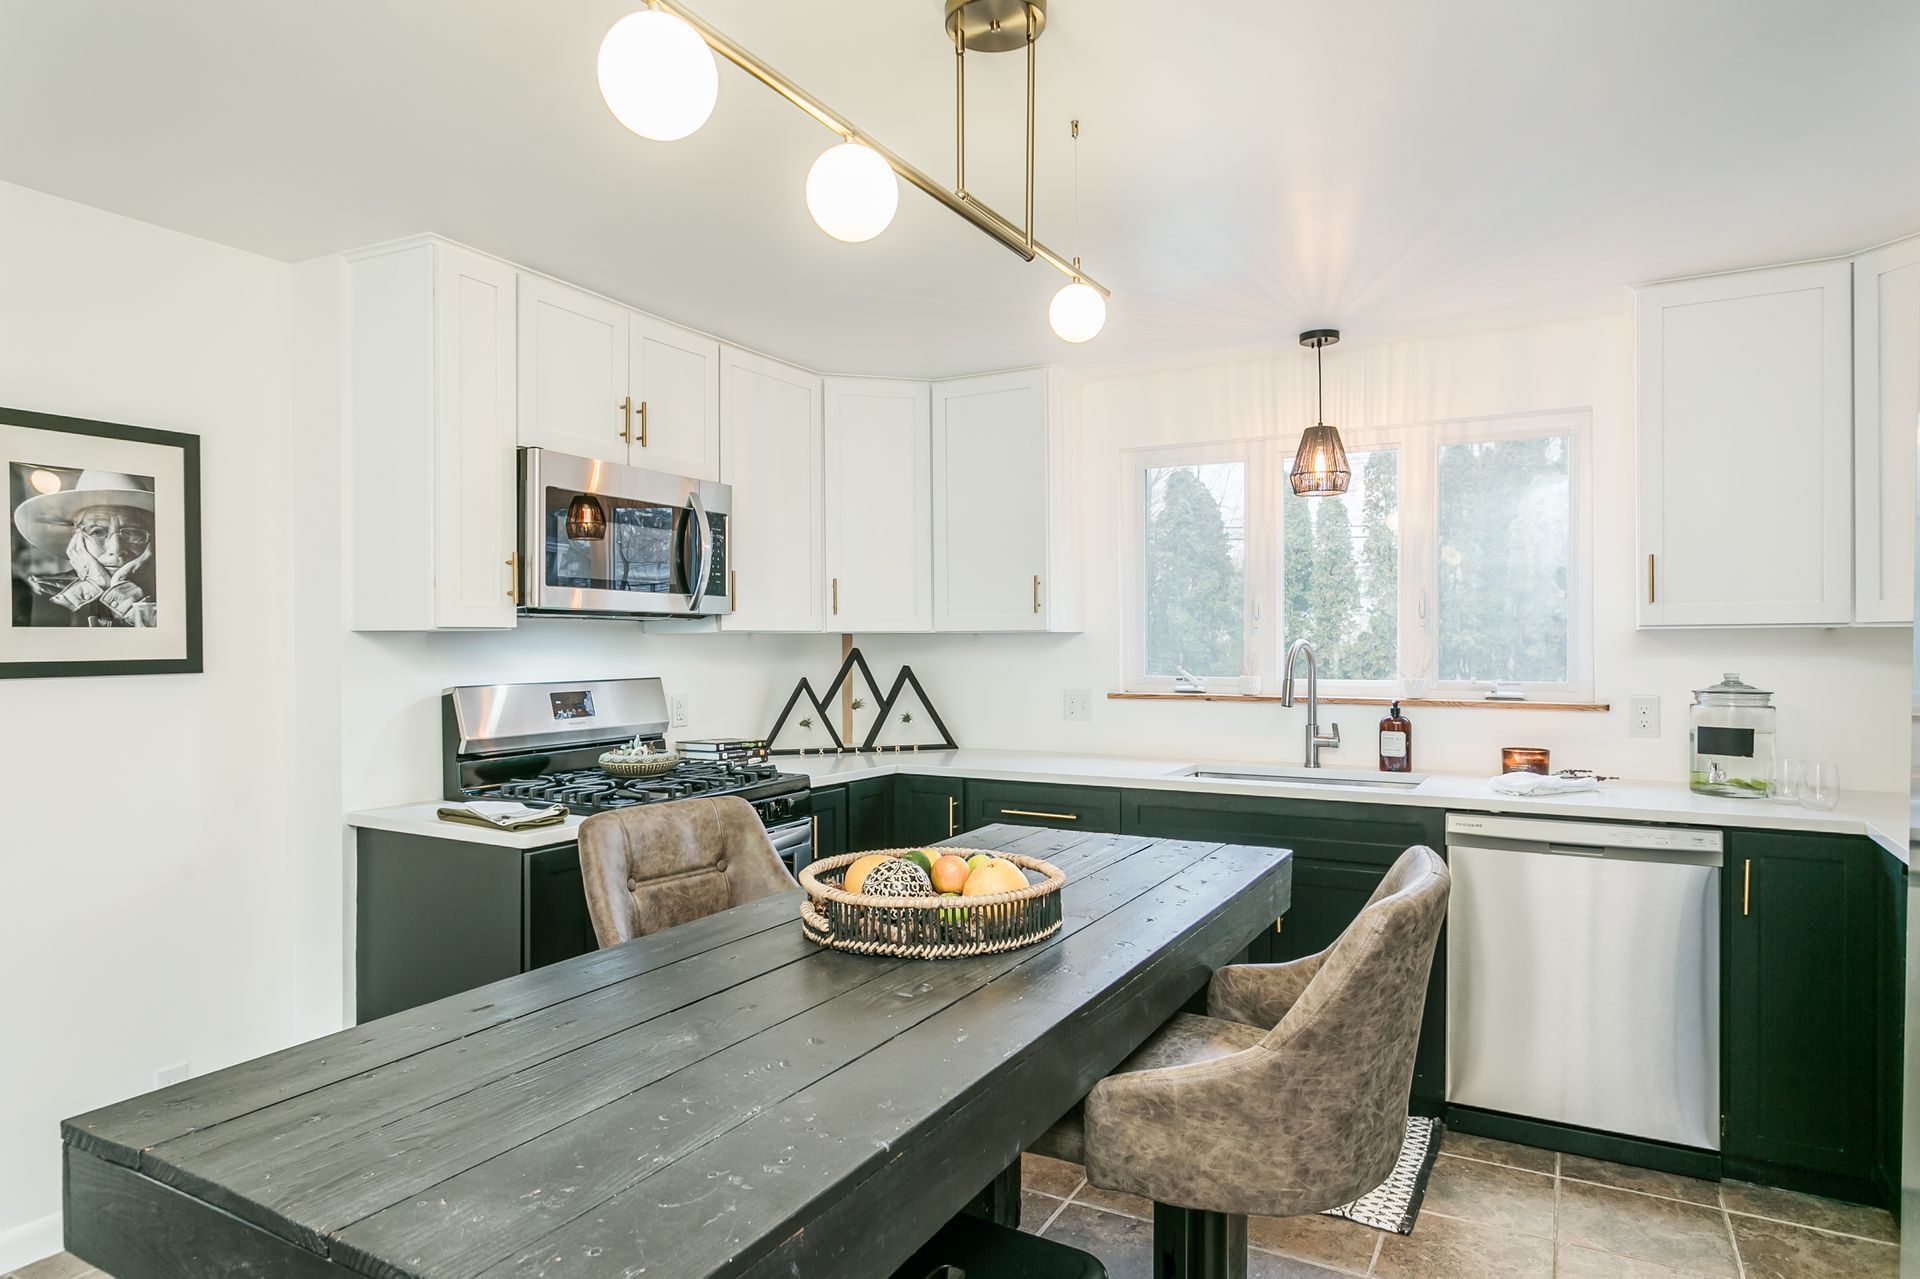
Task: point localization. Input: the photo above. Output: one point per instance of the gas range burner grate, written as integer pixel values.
(593, 790)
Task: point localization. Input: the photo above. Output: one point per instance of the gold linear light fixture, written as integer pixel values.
(658, 77)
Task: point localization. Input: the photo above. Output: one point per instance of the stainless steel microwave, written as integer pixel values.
(602, 540)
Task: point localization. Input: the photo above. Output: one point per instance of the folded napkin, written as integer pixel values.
(1538, 784)
(504, 814)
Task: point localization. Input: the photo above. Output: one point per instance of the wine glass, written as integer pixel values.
(1821, 789)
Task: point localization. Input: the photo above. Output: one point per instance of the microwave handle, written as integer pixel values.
(697, 588)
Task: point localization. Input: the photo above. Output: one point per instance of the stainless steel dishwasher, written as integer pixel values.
(1583, 974)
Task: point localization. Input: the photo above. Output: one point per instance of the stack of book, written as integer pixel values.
(723, 750)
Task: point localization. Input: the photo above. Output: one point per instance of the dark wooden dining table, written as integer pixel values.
(722, 1099)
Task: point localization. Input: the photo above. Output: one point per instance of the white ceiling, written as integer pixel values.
(1391, 167)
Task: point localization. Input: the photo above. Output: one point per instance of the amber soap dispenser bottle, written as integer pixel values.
(1396, 742)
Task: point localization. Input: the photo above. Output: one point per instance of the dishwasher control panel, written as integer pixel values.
(1676, 839)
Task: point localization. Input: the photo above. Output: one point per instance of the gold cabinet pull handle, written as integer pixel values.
(1036, 592)
(952, 804)
(643, 424)
(1650, 592)
(1746, 887)
(1025, 812)
(733, 589)
(626, 419)
(836, 597)
(513, 578)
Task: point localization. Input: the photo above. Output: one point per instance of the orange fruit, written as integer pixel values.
(996, 876)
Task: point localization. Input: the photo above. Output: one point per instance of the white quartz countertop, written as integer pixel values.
(1883, 817)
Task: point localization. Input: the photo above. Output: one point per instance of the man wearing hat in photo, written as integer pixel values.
(103, 527)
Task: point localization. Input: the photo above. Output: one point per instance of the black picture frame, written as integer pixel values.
(192, 661)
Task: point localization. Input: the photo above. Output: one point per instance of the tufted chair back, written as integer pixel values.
(652, 866)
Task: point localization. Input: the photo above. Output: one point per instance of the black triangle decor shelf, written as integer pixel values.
(888, 703)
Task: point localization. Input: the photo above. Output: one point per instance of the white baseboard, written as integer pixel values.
(27, 1243)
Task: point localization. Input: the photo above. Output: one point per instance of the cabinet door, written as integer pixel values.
(991, 484)
(829, 821)
(870, 814)
(1745, 449)
(474, 580)
(879, 491)
(1040, 804)
(1886, 407)
(1803, 927)
(676, 395)
(770, 455)
(555, 921)
(573, 371)
(926, 809)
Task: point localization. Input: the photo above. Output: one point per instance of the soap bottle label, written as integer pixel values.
(1393, 744)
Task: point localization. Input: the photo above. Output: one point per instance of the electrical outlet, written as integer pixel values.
(679, 710)
(1077, 705)
(1643, 715)
(172, 1074)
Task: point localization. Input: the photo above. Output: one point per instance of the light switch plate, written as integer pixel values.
(679, 710)
(1077, 705)
(1643, 715)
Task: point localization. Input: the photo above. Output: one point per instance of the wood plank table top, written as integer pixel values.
(722, 1099)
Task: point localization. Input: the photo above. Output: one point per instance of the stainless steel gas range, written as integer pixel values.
(542, 743)
(437, 914)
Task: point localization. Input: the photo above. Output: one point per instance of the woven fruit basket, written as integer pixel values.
(929, 926)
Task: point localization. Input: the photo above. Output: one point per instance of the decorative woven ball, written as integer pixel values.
(897, 878)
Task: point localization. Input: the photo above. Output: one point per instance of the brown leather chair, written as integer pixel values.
(1289, 1098)
(652, 866)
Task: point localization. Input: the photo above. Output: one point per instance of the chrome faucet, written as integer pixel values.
(1314, 738)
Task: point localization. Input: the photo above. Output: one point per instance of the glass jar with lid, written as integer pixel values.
(1731, 731)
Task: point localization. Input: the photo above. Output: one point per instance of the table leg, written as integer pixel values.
(1000, 1201)
(1190, 1244)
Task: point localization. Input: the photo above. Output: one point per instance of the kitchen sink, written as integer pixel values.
(1306, 777)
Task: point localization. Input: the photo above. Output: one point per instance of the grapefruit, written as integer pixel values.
(858, 872)
(996, 876)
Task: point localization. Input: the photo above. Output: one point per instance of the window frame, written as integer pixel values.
(1267, 460)
(1135, 463)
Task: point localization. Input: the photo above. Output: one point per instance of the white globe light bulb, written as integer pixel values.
(852, 192)
(1077, 312)
(657, 75)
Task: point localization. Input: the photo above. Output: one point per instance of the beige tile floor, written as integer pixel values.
(1493, 1211)
(1498, 1211)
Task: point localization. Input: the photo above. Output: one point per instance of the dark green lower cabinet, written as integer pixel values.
(927, 809)
(870, 814)
(1810, 1033)
(829, 821)
(1341, 851)
(1095, 808)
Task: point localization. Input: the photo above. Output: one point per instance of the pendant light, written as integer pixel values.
(852, 192)
(1077, 312)
(586, 518)
(657, 75)
(1320, 463)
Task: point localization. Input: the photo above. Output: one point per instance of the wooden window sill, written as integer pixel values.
(1465, 703)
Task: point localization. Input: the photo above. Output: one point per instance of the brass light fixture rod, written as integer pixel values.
(1019, 240)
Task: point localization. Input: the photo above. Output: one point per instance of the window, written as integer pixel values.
(1456, 559)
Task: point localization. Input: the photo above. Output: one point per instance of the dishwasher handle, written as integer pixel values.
(1594, 852)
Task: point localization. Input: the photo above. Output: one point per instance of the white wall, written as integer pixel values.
(1840, 692)
(145, 846)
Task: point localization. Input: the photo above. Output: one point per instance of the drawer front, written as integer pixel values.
(1037, 804)
(1332, 831)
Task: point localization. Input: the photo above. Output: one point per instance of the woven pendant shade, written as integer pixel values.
(1320, 466)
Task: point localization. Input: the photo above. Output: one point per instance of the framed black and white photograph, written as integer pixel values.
(103, 547)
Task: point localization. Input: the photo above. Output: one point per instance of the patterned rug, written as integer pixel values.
(1395, 1202)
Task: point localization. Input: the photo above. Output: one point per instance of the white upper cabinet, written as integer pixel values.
(1745, 449)
(1886, 411)
(573, 371)
(1002, 531)
(879, 498)
(771, 456)
(676, 399)
(430, 422)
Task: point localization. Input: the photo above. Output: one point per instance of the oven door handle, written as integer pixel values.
(697, 588)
